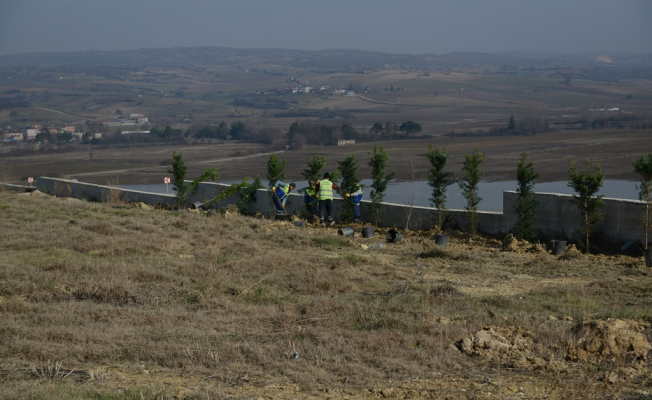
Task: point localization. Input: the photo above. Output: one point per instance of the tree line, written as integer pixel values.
(586, 184)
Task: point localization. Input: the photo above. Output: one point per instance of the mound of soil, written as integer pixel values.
(618, 343)
(512, 347)
(228, 211)
(609, 340)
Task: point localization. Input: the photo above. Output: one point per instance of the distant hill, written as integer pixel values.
(323, 60)
(609, 67)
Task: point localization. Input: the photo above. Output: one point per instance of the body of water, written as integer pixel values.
(418, 192)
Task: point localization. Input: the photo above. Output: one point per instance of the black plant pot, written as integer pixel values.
(558, 247)
(441, 240)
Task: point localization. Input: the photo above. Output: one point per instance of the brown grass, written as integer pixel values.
(226, 302)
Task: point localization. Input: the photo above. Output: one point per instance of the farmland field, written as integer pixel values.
(613, 149)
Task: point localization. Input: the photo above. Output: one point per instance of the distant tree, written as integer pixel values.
(526, 205)
(377, 128)
(293, 131)
(44, 136)
(328, 132)
(439, 181)
(237, 130)
(511, 125)
(410, 127)
(378, 161)
(205, 132)
(315, 166)
(365, 89)
(391, 88)
(347, 131)
(470, 186)
(350, 86)
(185, 191)
(167, 132)
(348, 169)
(643, 167)
(586, 185)
(222, 131)
(64, 137)
(119, 112)
(390, 128)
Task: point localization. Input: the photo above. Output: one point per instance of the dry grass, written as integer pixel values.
(227, 302)
(115, 195)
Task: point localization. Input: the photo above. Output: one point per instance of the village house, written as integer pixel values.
(134, 119)
(13, 137)
(30, 133)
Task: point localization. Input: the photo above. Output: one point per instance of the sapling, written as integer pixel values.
(348, 169)
(586, 185)
(312, 173)
(275, 170)
(378, 161)
(469, 185)
(526, 205)
(185, 191)
(643, 167)
(439, 180)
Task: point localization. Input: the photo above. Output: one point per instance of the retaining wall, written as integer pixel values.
(557, 215)
(91, 192)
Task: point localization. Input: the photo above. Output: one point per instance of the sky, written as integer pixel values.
(392, 26)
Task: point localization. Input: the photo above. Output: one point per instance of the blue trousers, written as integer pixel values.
(279, 206)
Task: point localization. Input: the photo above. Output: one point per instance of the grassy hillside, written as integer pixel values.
(126, 302)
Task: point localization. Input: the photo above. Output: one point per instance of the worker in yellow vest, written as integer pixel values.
(310, 199)
(324, 193)
(281, 191)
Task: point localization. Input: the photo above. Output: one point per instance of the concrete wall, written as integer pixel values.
(557, 215)
(91, 192)
(18, 188)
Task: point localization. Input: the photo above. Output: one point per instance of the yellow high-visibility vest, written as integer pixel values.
(325, 190)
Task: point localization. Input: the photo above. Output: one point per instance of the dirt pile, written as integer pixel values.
(228, 211)
(619, 344)
(510, 243)
(609, 340)
(512, 347)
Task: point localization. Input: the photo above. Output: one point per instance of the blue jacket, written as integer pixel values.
(357, 195)
(282, 190)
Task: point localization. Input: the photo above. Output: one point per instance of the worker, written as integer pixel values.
(355, 198)
(281, 191)
(324, 190)
(310, 199)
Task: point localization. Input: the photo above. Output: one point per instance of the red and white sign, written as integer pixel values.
(30, 179)
(167, 179)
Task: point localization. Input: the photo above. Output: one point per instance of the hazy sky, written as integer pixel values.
(395, 26)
